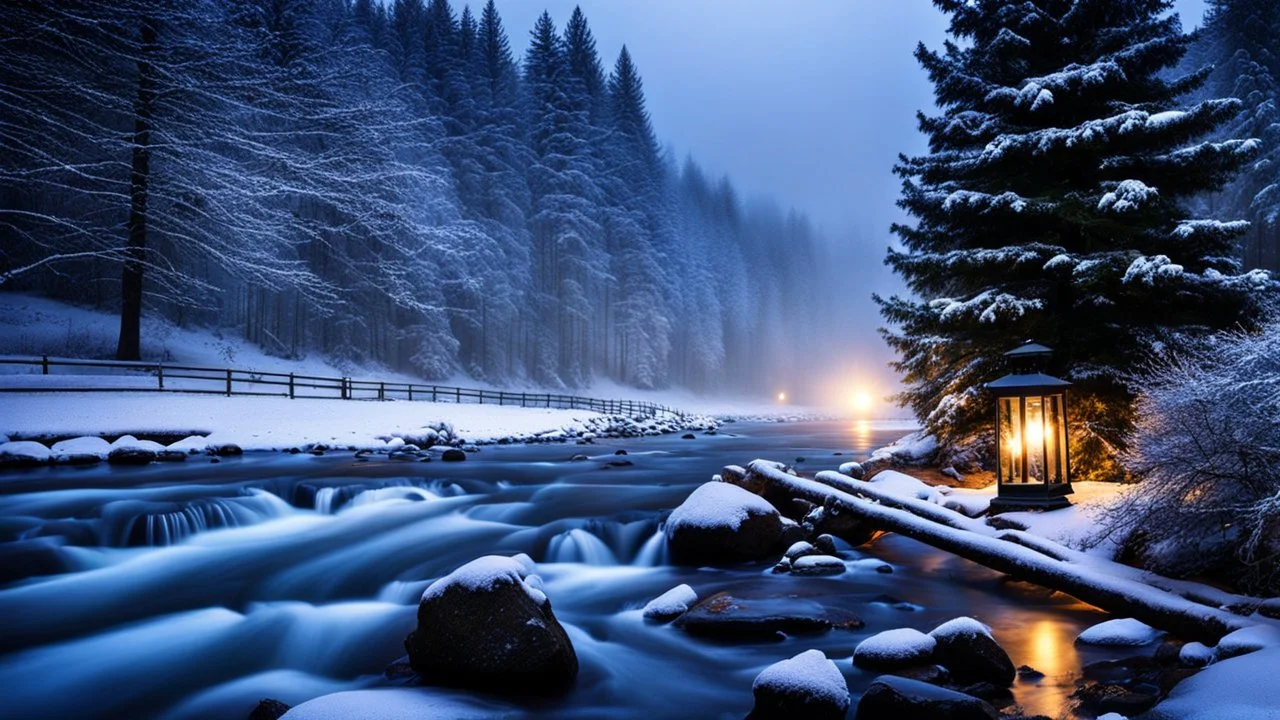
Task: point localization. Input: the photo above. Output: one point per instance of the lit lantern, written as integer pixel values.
(1032, 468)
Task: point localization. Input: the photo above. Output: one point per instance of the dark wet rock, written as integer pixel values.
(806, 686)
(792, 534)
(1270, 608)
(898, 698)
(487, 626)
(885, 569)
(782, 566)
(729, 617)
(932, 674)
(619, 452)
(736, 475)
(997, 695)
(825, 544)
(722, 523)
(799, 460)
(1101, 698)
(800, 508)
(830, 520)
(401, 672)
(268, 709)
(688, 436)
(229, 450)
(971, 654)
(579, 458)
(131, 456)
(618, 463)
(453, 455)
(1028, 673)
(171, 456)
(1168, 651)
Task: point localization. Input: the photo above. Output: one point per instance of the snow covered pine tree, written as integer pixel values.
(1051, 206)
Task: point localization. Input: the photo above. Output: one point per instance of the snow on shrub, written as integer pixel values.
(1207, 453)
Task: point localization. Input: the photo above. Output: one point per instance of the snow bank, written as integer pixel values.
(810, 673)
(912, 449)
(1247, 640)
(80, 447)
(397, 704)
(1242, 688)
(893, 647)
(1119, 633)
(670, 603)
(486, 573)
(24, 451)
(718, 504)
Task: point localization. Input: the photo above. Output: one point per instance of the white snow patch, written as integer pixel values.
(814, 562)
(488, 572)
(1247, 640)
(1242, 688)
(799, 549)
(719, 505)
(129, 442)
(810, 673)
(191, 444)
(960, 627)
(1119, 633)
(671, 603)
(1129, 195)
(894, 646)
(1195, 654)
(909, 449)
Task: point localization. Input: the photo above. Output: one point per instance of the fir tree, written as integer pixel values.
(1052, 206)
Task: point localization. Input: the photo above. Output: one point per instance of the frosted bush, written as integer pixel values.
(1207, 454)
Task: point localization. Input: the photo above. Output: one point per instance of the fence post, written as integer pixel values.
(382, 391)
(481, 396)
(457, 395)
(343, 391)
(290, 386)
(228, 382)
(410, 391)
(433, 393)
(160, 375)
(523, 401)
(44, 365)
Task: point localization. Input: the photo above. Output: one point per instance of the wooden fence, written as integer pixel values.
(165, 377)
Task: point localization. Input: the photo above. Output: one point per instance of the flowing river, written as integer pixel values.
(193, 590)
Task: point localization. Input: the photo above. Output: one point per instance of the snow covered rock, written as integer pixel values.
(730, 617)
(817, 565)
(800, 549)
(1195, 655)
(1247, 640)
(453, 455)
(898, 698)
(670, 604)
(1121, 632)
(893, 650)
(853, 470)
(80, 451)
(807, 685)
(396, 704)
(1242, 688)
(722, 523)
(831, 520)
(23, 453)
(965, 648)
(488, 625)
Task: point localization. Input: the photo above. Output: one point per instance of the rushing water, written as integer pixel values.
(194, 590)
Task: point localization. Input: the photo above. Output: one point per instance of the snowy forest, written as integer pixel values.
(384, 184)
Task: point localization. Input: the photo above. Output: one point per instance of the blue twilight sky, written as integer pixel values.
(809, 102)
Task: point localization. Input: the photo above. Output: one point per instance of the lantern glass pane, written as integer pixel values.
(1009, 437)
(1052, 436)
(1034, 436)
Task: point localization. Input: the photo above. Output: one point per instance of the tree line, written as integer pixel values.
(384, 183)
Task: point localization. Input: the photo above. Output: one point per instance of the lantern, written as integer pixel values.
(1032, 469)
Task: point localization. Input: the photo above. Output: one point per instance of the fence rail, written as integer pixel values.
(166, 377)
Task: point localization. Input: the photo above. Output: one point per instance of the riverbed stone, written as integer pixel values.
(722, 523)
(731, 617)
(898, 698)
(831, 520)
(268, 709)
(806, 686)
(813, 565)
(131, 456)
(453, 455)
(966, 648)
(488, 626)
(893, 650)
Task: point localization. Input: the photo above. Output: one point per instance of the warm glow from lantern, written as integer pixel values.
(1038, 433)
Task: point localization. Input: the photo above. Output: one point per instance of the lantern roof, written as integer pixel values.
(1029, 349)
(1027, 382)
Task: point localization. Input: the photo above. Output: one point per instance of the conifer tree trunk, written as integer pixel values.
(129, 346)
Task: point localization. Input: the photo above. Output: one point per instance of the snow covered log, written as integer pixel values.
(954, 533)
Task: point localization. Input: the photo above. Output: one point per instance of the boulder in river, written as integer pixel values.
(268, 709)
(722, 523)
(893, 650)
(23, 453)
(817, 565)
(730, 617)
(831, 520)
(806, 686)
(489, 626)
(965, 647)
(898, 698)
(670, 604)
(453, 455)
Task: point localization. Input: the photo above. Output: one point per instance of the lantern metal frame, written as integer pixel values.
(1016, 486)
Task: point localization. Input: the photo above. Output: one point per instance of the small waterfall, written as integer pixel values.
(330, 499)
(579, 546)
(654, 551)
(133, 523)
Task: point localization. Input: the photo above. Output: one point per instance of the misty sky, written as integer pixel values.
(809, 102)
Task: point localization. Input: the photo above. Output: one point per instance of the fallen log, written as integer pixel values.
(915, 519)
